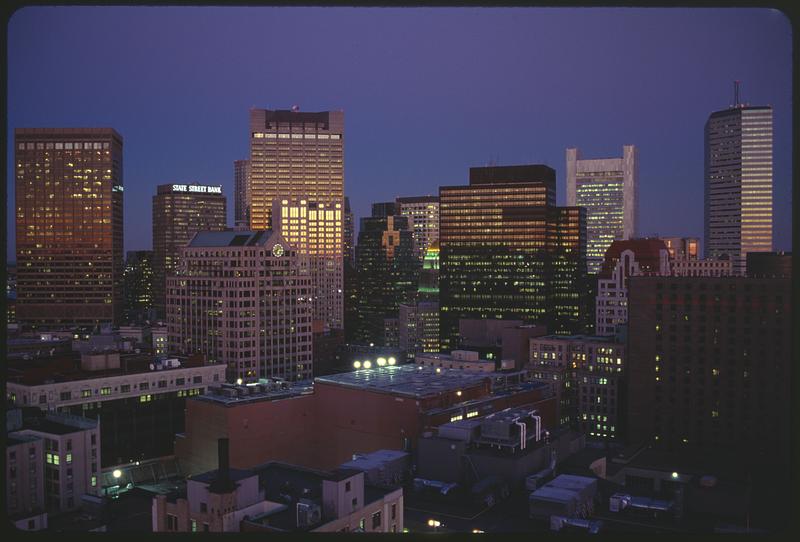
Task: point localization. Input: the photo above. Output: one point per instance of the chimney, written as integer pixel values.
(223, 470)
(222, 483)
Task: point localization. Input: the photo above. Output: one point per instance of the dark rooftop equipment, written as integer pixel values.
(222, 483)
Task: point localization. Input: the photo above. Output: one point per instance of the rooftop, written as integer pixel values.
(230, 238)
(234, 474)
(408, 380)
(56, 424)
(268, 390)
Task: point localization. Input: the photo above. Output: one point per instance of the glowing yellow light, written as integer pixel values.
(367, 364)
(381, 361)
(392, 361)
(357, 364)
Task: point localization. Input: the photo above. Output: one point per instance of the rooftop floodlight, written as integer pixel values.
(357, 364)
(674, 475)
(367, 364)
(458, 393)
(381, 361)
(117, 473)
(392, 361)
(239, 381)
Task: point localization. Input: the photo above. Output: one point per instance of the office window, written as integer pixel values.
(125, 388)
(203, 507)
(194, 525)
(394, 511)
(376, 520)
(347, 486)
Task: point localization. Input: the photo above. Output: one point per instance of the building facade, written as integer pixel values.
(738, 183)
(241, 211)
(587, 375)
(140, 409)
(709, 365)
(423, 214)
(298, 156)
(349, 234)
(69, 239)
(180, 211)
(506, 251)
(315, 230)
(138, 285)
(625, 259)
(243, 298)
(609, 190)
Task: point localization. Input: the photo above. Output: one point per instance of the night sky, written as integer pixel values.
(427, 93)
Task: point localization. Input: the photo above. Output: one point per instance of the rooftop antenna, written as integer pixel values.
(736, 93)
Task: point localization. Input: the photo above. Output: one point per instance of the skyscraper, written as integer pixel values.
(242, 298)
(738, 183)
(241, 211)
(349, 234)
(506, 251)
(423, 212)
(386, 273)
(138, 280)
(180, 211)
(608, 189)
(68, 226)
(314, 229)
(298, 156)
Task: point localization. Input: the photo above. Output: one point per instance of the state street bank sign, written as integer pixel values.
(202, 189)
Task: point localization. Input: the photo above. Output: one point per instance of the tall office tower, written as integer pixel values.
(385, 208)
(508, 252)
(625, 259)
(349, 234)
(709, 367)
(423, 211)
(299, 156)
(242, 298)
(738, 183)
(69, 226)
(314, 229)
(241, 210)
(418, 321)
(138, 285)
(180, 211)
(387, 274)
(609, 190)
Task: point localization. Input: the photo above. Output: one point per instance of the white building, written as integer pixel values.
(608, 188)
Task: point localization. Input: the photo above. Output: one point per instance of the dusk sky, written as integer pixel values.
(427, 93)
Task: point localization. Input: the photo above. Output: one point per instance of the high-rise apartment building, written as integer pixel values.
(508, 252)
(709, 365)
(241, 210)
(68, 226)
(138, 284)
(418, 321)
(623, 260)
(608, 189)
(315, 230)
(387, 274)
(243, 298)
(180, 211)
(423, 212)
(298, 156)
(738, 183)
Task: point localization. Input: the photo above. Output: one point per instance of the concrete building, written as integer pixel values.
(423, 214)
(418, 321)
(386, 407)
(587, 377)
(463, 360)
(709, 365)
(180, 211)
(160, 337)
(349, 238)
(609, 190)
(279, 497)
(69, 237)
(241, 211)
(625, 259)
(738, 183)
(63, 459)
(702, 268)
(297, 156)
(138, 402)
(243, 298)
(507, 252)
(25, 502)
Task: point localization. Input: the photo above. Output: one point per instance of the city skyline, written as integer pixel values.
(530, 119)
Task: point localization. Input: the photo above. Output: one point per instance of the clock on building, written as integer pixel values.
(277, 250)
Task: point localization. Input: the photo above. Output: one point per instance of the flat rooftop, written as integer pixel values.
(245, 394)
(410, 380)
(67, 368)
(56, 426)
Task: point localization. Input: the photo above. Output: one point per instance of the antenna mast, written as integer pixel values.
(736, 93)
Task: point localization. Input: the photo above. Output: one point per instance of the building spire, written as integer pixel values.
(736, 93)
